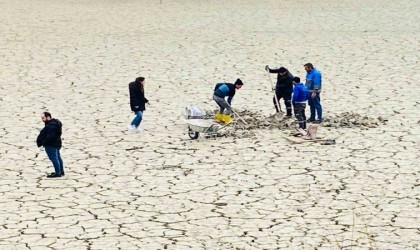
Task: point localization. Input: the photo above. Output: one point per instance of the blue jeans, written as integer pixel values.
(315, 104)
(139, 116)
(55, 157)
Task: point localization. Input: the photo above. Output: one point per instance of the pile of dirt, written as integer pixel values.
(255, 121)
(342, 120)
(352, 120)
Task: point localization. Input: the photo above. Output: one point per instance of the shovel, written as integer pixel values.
(279, 115)
(237, 115)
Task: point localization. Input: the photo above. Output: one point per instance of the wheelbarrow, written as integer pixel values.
(208, 127)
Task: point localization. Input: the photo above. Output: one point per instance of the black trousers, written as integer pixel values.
(299, 110)
(287, 98)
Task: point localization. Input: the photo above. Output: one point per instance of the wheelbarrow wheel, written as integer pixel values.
(192, 134)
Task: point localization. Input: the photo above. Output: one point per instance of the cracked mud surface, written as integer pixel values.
(160, 190)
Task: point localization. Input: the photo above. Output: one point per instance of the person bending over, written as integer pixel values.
(221, 91)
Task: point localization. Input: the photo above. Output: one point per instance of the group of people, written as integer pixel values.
(295, 93)
(289, 88)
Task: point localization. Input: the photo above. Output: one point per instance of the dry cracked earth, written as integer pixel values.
(251, 190)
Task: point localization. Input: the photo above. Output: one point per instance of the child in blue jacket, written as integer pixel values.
(300, 96)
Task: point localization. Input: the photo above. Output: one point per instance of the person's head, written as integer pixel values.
(308, 67)
(282, 71)
(46, 116)
(296, 80)
(238, 83)
(140, 80)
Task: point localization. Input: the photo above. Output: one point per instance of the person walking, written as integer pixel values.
(50, 138)
(137, 103)
(314, 84)
(284, 88)
(300, 96)
(222, 90)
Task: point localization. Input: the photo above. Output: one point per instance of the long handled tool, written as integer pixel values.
(301, 140)
(279, 114)
(237, 114)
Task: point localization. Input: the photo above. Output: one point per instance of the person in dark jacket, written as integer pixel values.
(300, 96)
(221, 91)
(284, 88)
(50, 138)
(137, 103)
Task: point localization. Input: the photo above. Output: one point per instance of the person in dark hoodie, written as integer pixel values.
(50, 138)
(137, 103)
(284, 88)
(222, 90)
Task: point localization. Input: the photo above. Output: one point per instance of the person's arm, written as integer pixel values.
(317, 82)
(142, 96)
(273, 70)
(40, 138)
(231, 97)
(230, 100)
(131, 94)
(295, 94)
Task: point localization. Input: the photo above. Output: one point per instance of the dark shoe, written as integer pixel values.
(53, 175)
(328, 142)
(62, 173)
(310, 120)
(318, 121)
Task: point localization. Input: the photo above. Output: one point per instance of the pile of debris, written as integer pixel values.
(258, 121)
(255, 121)
(351, 120)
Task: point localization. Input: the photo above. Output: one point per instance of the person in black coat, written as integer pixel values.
(50, 138)
(137, 103)
(284, 88)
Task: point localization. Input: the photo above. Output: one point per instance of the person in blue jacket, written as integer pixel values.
(221, 91)
(300, 96)
(314, 84)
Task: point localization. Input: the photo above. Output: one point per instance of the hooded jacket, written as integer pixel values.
(50, 135)
(300, 93)
(284, 83)
(225, 89)
(137, 99)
